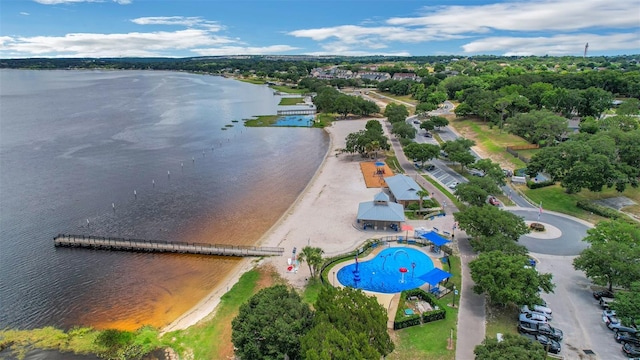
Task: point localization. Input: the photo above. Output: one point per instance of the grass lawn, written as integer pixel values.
(492, 142)
(255, 81)
(262, 120)
(289, 89)
(556, 199)
(404, 98)
(429, 341)
(324, 120)
(503, 320)
(451, 197)
(291, 101)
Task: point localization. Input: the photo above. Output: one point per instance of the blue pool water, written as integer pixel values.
(295, 120)
(382, 273)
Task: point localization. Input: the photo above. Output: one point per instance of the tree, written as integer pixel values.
(396, 113)
(313, 257)
(629, 107)
(538, 126)
(627, 305)
(458, 151)
(512, 347)
(422, 194)
(490, 221)
(471, 194)
(370, 139)
(498, 242)
(355, 316)
(614, 255)
(594, 102)
(269, 325)
(491, 170)
(403, 130)
(439, 121)
(506, 279)
(422, 152)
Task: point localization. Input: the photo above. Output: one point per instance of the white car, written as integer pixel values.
(609, 317)
(547, 315)
(453, 185)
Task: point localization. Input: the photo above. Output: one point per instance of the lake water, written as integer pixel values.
(74, 148)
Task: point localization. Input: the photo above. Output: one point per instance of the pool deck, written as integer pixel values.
(388, 301)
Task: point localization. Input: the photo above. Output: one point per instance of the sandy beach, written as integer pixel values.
(324, 216)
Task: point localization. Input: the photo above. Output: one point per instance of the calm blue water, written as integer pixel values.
(382, 273)
(75, 145)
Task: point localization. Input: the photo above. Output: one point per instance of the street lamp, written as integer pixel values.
(334, 278)
(455, 292)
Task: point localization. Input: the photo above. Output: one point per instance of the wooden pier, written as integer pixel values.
(120, 244)
(310, 111)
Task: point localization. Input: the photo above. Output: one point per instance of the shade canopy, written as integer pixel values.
(436, 239)
(379, 163)
(434, 276)
(403, 270)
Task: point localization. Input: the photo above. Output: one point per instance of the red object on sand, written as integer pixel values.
(290, 268)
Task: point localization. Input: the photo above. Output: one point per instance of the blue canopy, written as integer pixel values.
(436, 239)
(379, 163)
(434, 276)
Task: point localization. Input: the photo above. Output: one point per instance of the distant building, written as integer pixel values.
(373, 75)
(406, 76)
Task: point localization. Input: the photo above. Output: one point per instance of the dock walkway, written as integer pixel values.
(120, 244)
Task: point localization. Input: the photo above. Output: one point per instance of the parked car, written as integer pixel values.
(605, 302)
(531, 327)
(428, 134)
(494, 201)
(429, 167)
(550, 345)
(619, 327)
(627, 337)
(533, 317)
(417, 122)
(603, 293)
(476, 172)
(453, 185)
(526, 310)
(631, 350)
(609, 317)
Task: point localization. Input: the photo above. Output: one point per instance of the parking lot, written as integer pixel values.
(576, 312)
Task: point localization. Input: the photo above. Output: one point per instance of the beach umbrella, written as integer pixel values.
(406, 227)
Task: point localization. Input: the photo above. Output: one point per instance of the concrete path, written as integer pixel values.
(471, 314)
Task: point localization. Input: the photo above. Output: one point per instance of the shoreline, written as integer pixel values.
(323, 216)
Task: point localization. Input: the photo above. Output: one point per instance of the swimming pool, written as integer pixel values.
(383, 273)
(295, 120)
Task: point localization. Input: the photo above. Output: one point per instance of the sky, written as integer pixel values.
(186, 28)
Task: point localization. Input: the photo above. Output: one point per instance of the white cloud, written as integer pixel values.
(541, 15)
(159, 43)
(240, 50)
(570, 44)
(192, 21)
(24, 13)
(58, 2)
(498, 21)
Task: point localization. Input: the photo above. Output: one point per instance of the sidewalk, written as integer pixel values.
(471, 313)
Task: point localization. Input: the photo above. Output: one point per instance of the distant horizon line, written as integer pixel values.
(322, 56)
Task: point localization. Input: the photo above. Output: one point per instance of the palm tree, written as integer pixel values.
(423, 194)
(313, 257)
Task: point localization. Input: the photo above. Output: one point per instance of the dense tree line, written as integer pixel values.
(345, 324)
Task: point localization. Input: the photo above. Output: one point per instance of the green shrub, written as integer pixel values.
(411, 320)
(434, 315)
(413, 206)
(540, 184)
(598, 209)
